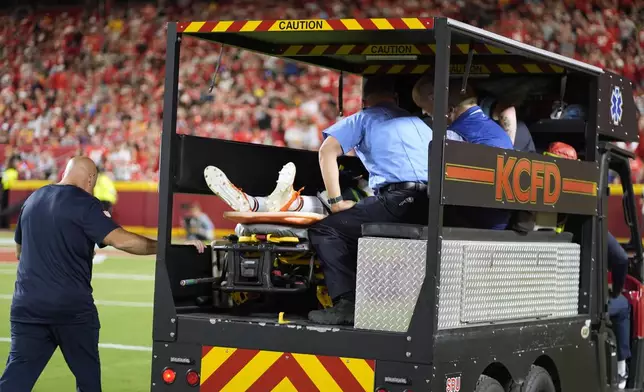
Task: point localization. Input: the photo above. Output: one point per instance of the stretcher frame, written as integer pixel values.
(422, 351)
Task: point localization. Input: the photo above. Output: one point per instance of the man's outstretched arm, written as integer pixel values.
(131, 243)
(138, 245)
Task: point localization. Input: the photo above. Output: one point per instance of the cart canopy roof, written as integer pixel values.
(384, 45)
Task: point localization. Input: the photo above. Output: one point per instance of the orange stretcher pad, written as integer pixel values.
(291, 218)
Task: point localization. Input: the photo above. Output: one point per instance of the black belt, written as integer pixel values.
(404, 186)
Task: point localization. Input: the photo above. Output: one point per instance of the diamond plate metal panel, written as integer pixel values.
(389, 277)
(504, 281)
(451, 283)
(481, 282)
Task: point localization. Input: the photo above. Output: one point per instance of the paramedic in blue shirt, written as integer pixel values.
(58, 228)
(469, 121)
(393, 146)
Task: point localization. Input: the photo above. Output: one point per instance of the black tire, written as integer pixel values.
(488, 384)
(538, 380)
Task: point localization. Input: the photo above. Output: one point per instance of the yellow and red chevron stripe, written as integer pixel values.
(227, 26)
(387, 49)
(484, 69)
(226, 369)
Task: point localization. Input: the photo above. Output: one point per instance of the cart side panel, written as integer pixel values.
(482, 176)
(557, 346)
(616, 110)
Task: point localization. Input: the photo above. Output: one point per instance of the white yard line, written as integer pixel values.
(104, 345)
(96, 275)
(125, 304)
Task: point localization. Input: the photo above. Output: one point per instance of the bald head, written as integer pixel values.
(81, 172)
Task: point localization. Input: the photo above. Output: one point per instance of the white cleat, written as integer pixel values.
(283, 195)
(221, 186)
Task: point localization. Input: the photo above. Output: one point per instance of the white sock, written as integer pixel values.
(257, 204)
(621, 368)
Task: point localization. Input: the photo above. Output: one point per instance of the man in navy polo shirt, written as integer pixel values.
(58, 228)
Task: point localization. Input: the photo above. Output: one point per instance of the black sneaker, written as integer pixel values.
(340, 314)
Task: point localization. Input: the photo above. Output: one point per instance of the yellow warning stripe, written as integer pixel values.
(305, 25)
(213, 360)
(252, 371)
(361, 371)
(259, 363)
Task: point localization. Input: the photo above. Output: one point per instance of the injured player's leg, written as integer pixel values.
(283, 197)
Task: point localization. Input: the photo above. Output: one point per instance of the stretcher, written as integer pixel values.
(268, 254)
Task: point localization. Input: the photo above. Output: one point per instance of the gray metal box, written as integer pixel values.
(481, 282)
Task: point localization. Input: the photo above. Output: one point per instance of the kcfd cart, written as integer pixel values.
(438, 308)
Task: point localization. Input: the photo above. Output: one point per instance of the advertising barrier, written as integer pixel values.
(137, 207)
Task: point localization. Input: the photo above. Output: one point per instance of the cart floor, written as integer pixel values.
(260, 318)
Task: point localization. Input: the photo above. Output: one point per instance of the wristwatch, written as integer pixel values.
(334, 200)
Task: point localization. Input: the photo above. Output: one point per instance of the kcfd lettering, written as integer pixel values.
(541, 175)
(301, 25)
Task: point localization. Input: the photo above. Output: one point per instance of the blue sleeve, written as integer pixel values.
(96, 223)
(348, 131)
(617, 263)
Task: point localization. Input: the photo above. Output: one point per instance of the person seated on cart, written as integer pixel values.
(618, 306)
(469, 121)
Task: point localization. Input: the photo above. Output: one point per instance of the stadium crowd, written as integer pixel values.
(72, 82)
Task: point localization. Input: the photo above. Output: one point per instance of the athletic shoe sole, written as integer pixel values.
(221, 186)
(282, 192)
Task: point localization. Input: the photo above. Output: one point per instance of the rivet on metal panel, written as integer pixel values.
(154, 384)
(171, 334)
(409, 338)
(599, 99)
(166, 345)
(560, 348)
(416, 367)
(178, 39)
(612, 130)
(172, 320)
(287, 357)
(155, 357)
(408, 354)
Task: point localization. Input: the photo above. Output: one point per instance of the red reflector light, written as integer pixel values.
(381, 390)
(192, 378)
(169, 375)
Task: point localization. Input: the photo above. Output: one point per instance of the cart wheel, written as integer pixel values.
(488, 384)
(538, 380)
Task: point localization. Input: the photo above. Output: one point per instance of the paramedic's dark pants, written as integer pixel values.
(619, 312)
(32, 345)
(335, 238)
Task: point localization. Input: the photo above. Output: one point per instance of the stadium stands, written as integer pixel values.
(72, 82)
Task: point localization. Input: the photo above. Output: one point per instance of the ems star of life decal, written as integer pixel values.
(616, 103)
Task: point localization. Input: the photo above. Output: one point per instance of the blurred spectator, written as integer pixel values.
(105, 191)
(197, 224)
(83, 82)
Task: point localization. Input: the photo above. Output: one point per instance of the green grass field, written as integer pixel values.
(123, 290)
